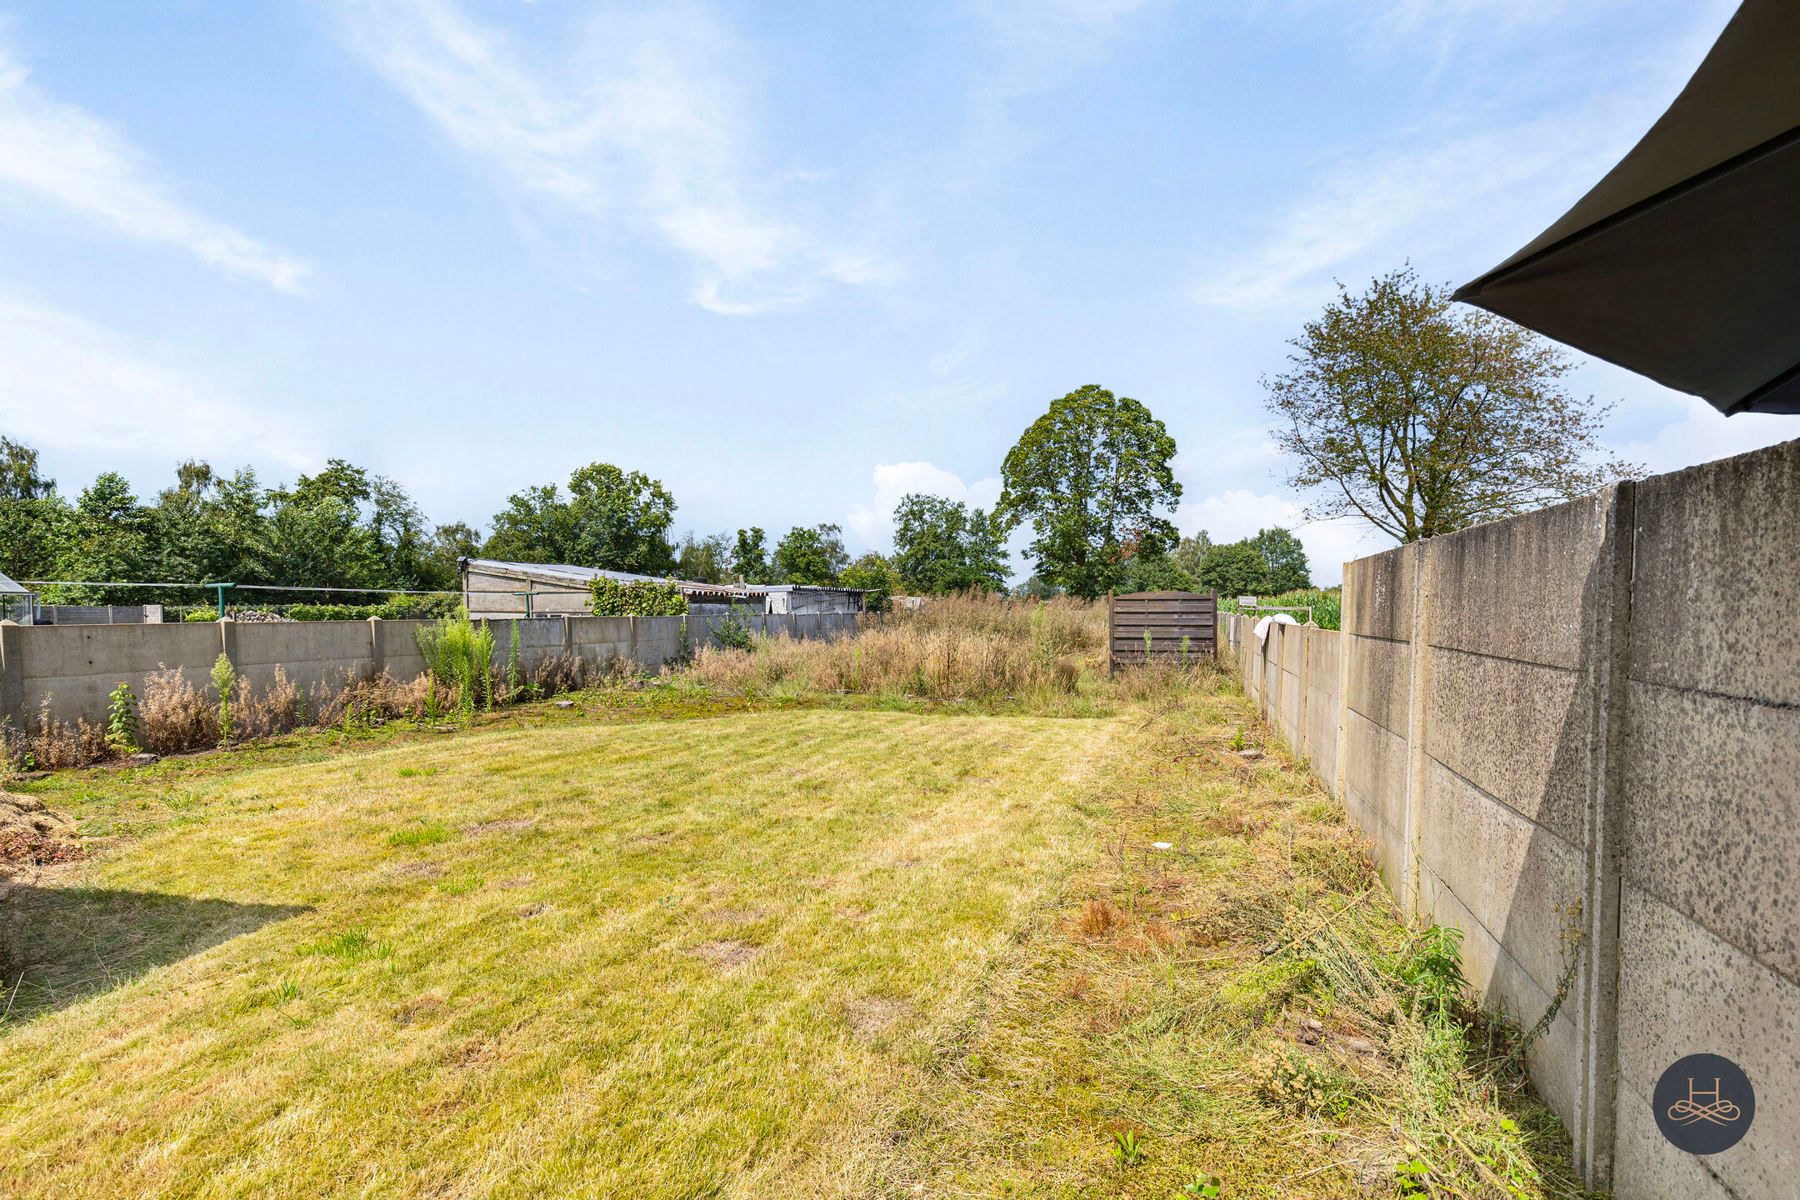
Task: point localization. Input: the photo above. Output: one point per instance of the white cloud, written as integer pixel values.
(874, 522)
(1455, 200)
(644, 123)
(67, 384)
(55, 152)
(1232, 515)
(1697, 433)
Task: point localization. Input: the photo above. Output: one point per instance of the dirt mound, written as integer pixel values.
(32, 836)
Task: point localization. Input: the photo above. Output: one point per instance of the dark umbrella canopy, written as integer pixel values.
(1683, 264)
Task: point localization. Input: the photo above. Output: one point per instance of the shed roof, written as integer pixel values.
(580, 577)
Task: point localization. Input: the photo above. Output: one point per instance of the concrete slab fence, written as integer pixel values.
(75, 667)
(1575, 736)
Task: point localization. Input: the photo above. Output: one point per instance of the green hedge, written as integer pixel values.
(637, 598)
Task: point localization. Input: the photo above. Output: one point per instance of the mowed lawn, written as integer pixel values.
(657, 959)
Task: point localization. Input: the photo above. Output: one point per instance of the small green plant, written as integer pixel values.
(1187, 644)
(1433, 969)
(122, 720)
(224, 680)
(1414, 1177)
(1128, 1148)
(1237, 739)
(734, 634)
(350, 946)
(1203, 1187)
(1147, 646)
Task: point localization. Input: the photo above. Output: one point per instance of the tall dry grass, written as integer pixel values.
(982, 648)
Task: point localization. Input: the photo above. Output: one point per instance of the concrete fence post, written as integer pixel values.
(12, 675)
(228, 641)
(376, 662)
(1418, 675)
(1609, 632)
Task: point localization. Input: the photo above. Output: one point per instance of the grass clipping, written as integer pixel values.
(1229, 1000)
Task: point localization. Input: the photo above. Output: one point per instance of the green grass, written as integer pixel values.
(671, 943)
(648, 959)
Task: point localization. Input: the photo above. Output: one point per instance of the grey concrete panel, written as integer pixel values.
(1712, 815)
(1518, 730)
(1519, 588)
(1684, 991)
(1524, 884)
(1383, 584)
(1380, 681)
(1716, 590)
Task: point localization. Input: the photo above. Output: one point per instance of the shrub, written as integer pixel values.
(460, 655)
(201, 615)
(734, 633)
(637, 598)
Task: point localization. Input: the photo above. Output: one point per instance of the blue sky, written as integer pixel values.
(793, 259)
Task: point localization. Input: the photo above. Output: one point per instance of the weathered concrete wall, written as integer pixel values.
(1709, 932)
(1575, 735)
(75, 667)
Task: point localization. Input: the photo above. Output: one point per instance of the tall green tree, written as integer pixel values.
(1154, 573)
(1284, 561)
(704, 560)
(750, 556)
(534, 527)
(108, 542)
(1092, 475)
(614, 519)
(1423, 417)
(1190, 550)
(1234, 569)
(621, 520)
(811, 554)
(943, 545)
(875, 575)
(33, 517)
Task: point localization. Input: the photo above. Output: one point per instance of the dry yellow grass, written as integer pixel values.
(649, 960)
(980, 648)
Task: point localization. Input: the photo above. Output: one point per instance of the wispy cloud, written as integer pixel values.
(642, 124)
(57, 154)
(67, 384)
(1459, 191)
(1430, 201)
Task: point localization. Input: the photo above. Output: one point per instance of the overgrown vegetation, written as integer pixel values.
(1227, 1004)
(636, 598)
(459, 657)
(971, 647)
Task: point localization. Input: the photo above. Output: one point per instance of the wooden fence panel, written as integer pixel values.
(1161, 624)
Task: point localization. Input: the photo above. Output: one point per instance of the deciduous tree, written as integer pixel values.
(943, 545)
(1092, 475)
(1422, 417)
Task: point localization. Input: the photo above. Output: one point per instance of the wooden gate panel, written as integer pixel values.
(1170, 620)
